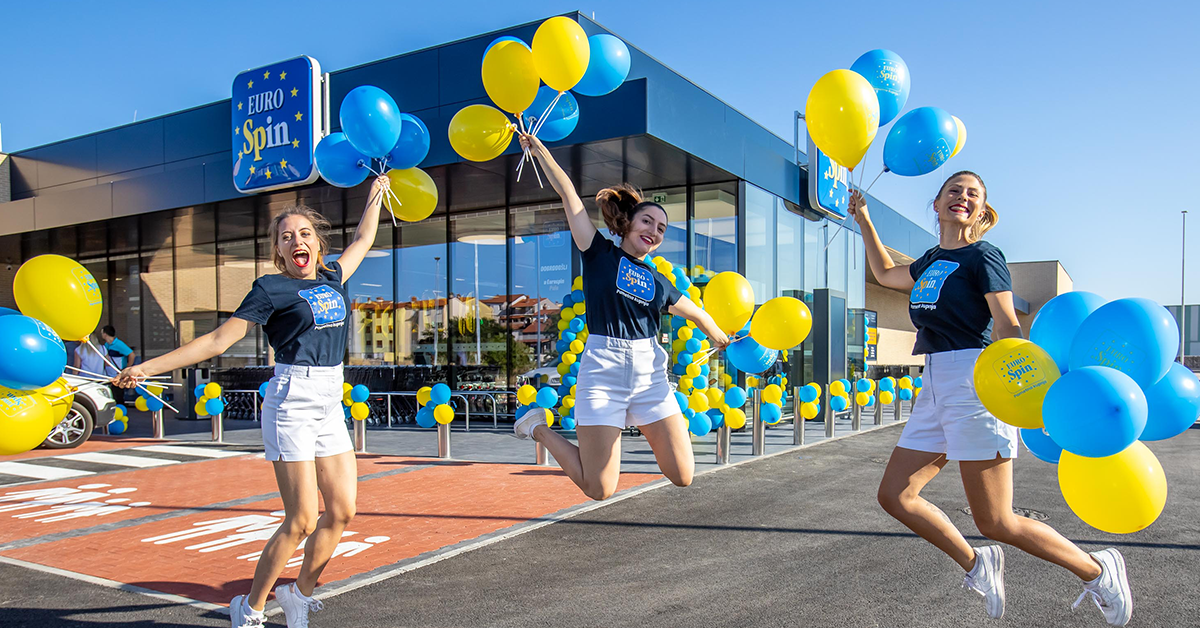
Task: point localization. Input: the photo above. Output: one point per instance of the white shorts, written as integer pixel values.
(623, 383)
(949, 418)
(302, 414)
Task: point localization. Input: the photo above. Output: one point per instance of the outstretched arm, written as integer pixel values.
(203, 348)
(886, 270)
(364, 236)
(686, 308)
(582, 229)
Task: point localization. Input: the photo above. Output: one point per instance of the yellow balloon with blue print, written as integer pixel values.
(1012, 377)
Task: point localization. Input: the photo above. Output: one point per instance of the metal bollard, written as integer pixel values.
(758, 444)
(830, 419)
(443, 431)
(878, 410)
(723, 436)
(218, 428)
(855, 416)
(899, 410)
(360, 436)
(797, 420)
(156, 424)
(541, 455)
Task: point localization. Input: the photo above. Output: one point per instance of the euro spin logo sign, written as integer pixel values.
(828, 183)
(277, 121)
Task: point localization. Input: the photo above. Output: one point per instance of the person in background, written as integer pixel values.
(87, 359)
(119, 354)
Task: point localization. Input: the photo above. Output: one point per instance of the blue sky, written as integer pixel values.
(1079, 115)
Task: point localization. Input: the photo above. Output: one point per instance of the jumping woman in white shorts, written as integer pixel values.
(304, 313)
(623, 373)
(957, 289)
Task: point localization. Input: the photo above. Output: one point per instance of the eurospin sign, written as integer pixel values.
(278, 118)
(828, 183)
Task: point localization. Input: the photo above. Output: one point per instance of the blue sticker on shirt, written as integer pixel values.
(929, 287)
(328, 306)
(635, 282)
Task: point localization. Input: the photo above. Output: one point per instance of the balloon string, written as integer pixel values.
(546, 114)
(876, 179)
(524, 151)
(528, 155)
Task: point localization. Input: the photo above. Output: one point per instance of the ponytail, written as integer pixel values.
(617, 206)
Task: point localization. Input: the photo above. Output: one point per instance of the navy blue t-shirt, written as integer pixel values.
(305, 319)
(947, 303)
(625, 297)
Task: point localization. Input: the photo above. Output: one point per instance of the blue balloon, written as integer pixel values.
(122, 408)
(199, 391)
(1094, 411)
(262, 389)
(838, 403)
(359, 394)
(704, 370)
(685, 358)
(154, 405)
(905, 394)
(7, 311)
(346, 412)
(547, 397)
(574, 369)
(213, 406)
(569, 335)
(1135, 336)
(920, 142)
(560, 120)
(700, 424)
(370, 120)
(569, 381)
(562, 346)
(425, 417)
(679, 369)
(1039, 443)
(568, 422)
(339, 163)
(870, 401)
(1173, 404)
(807, 394)
(750, 357)
(770, 413)
(678, 322)
(412, 146)
(504, 38)
(845, 383)
(576, 325)
(775, 379)
(735, 397)
(577, 296)
(689, 413)
(682, 400)
(918, 382)
(888, 74)
(564, 389)
(31, 354)
(439, 394)
(887, 385)
(862, 385)
(1055, 325)
(608, 66)
(116, 427)
(717, 417)
(700, 382)
(692, 345)
(699, 335)
(567, 302)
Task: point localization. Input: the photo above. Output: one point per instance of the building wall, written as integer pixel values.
(1037, 283)
(5, 185)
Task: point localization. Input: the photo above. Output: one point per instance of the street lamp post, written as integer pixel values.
(437, 272)
(1183, 294)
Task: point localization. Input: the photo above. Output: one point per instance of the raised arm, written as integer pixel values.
(886, 271)
(364, 236)
(686, 308)
(582, 229)
(203, 348)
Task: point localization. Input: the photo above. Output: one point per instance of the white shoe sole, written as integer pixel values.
(1123, 580)
(1000, 581)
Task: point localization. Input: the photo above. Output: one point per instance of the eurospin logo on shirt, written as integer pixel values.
(635, 282)
(928, 289)
(328, 306)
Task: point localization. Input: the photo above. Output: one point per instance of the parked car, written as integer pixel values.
(93, 405)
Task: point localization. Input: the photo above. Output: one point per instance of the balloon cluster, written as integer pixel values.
(810, 401)
(120, 421)
(148, 398)
(846, 108)
(434, 403)
(543, 400)
(209, 399)
(864, 392)
(354, 401)
(774, 395)
(563, 57)
(1094, 381)
(571, 343)
(839, 395)
(374, 130)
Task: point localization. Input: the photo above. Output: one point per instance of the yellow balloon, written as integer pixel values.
(685, 386)
(509, 77)
(569, 358)
(200, 409)
(579, 308)
(692, 370)
(563, 368)
(60, 396)
(1118, 494)
(346, 388)
(443, 414)
(694, 294)
(1012, 377)
(815, 387)
(577, 283)
(568, 402)
(416, 193)
(562, 325)
(781, 323)
(904, 383)
(716, 397)
(886, 397)
(424, 391)
(730, 301)
(576, 346)
(561, 52)
(809, 410)
(480, 132)
(862, 398)
(685, 333)
(698, 401)
(61, 293)
(772, 394)
(157, 390)
(837, 388)
(360, 411)
(140, 404)
(842, 115)
(549, 417)
(212, 390)
(526, 395)
(25, 420)
(346, 401)
(678, 345)
(751, 381)
(735, 418)
(962, 136)
(568, 314)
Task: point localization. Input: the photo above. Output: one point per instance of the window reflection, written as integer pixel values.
(479, 342)
(541, 261)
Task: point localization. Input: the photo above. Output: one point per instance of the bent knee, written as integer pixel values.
(682, 481)
(599, 492)
(1002, 530)
(299, 526)
(342, 514)
(890, 501)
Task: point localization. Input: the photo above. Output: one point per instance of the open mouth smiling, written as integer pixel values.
(301, 258)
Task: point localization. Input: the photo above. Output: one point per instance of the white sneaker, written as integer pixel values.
(987, 579)
(523, 428)
(295, 606)
(239, 618)
(1110, 591)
